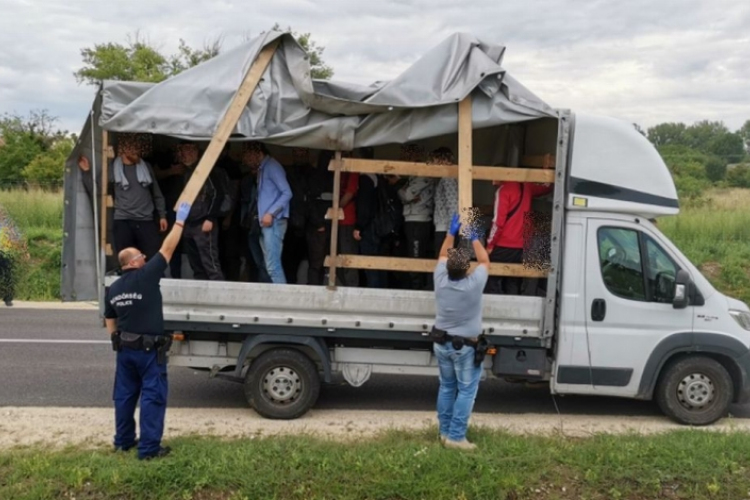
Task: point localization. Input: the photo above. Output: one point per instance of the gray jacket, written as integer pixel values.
(418, 198)
(135, 203)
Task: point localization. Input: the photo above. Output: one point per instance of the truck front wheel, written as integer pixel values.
(695, 390)
(282, 384)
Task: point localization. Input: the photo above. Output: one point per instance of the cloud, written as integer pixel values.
(645, 61)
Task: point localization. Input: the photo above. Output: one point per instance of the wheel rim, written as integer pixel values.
(281, 385)
(696, 391)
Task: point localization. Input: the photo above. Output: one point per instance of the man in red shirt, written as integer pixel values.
(506, 240)
(347, 244)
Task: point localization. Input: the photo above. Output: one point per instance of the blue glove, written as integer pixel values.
(182, 212)
(475, 233)
(455, 225)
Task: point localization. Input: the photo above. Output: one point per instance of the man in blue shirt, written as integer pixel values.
(274, 195)
(458, 305)
(135, 321)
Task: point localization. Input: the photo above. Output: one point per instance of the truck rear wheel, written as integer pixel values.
(695, 390)
(282, 384)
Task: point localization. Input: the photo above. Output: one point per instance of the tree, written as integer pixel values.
(701, 134)
(25, 138)
(728, 146)
(139, 61)
(319, 70)
(668, 133)
(187, 57)
(48, 167)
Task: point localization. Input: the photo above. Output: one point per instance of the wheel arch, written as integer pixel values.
(732, 354)
(313, 345)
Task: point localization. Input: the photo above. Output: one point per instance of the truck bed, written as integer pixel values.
(366, 309)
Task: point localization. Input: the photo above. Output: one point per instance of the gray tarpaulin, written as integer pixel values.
(288, 108)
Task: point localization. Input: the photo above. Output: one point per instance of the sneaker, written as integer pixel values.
(460, 445)
(443, 439)
(163, 452)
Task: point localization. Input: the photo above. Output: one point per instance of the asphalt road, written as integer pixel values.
(39, 366)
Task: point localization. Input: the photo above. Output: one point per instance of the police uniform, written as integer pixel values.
(135, 301)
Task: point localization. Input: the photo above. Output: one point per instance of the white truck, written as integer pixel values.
(625, 312)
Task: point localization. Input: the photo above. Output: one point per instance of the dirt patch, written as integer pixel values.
(58, 427)
(711, 270)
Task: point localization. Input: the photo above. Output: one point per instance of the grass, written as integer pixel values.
(398, 465)
(38, 214)
(715, 236)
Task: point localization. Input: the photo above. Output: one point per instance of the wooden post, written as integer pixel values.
(335, 221)
(227, 124)
(104, 193)
(465, 159)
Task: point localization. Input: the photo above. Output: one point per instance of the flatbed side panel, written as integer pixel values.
(351, 308)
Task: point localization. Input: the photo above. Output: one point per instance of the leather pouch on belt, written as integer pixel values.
(131, 340)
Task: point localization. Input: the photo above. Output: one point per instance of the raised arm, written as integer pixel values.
(450, 238)
(173, 238)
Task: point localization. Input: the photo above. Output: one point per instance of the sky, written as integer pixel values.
(647, 62)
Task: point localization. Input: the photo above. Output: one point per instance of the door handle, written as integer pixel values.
(598, 310)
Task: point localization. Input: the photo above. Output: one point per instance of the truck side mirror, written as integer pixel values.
(682, 287)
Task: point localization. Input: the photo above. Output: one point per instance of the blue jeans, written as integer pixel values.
(459, 382)
(272, 243)
(138, 375)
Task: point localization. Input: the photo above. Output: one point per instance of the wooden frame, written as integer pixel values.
(465, 171)
(335, 220)
(423, 265)
(106, 199)
(478, 173)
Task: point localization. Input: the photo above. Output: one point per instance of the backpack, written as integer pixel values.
(389, 214)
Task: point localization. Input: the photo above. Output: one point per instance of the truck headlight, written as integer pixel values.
(742, 318)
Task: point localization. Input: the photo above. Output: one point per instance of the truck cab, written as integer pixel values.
(637, 319)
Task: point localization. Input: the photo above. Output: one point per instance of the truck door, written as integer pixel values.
(629, 292)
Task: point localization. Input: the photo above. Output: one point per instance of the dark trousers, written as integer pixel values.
(203, 252)
(348, 246)
(504, 285)
(317, 249)
(417, 243)
(140, 234)
(256, 254)
(230, 251)
(371, 245)
(175, 263)
(139, 376)
(7, 280)
(394, 245)
(294, 252)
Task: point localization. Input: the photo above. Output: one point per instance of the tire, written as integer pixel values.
(282, 384)
(695, 390)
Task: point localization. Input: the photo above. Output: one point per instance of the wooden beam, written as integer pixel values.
(465, 158)
(425, 265)
(335, 221)
(104, 192)
(227, 124)
(480, 173)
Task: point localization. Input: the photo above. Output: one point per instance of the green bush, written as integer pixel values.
(739, 176)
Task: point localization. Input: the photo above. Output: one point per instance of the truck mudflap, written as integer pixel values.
(698, 343)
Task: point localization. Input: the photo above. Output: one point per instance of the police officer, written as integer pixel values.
(135, 321)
